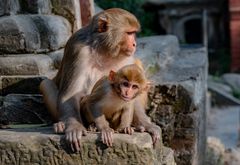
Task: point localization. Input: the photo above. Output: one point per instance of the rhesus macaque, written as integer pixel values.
(106, 43)
(111, 103)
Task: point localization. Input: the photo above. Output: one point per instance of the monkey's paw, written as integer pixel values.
(107, 136)
(73, 135)
(59, 127)
(154, 130)
(127, 130)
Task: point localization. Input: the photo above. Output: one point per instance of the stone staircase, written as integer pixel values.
(30, 140)
(32, 38)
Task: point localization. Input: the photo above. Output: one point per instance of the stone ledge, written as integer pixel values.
(20, 84)
(40, 146)
(25, 64)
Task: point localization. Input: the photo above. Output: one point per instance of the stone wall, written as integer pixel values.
(178, 99)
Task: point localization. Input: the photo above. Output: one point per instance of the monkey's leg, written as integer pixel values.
(50, 93)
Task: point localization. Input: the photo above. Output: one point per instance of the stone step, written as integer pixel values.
(168, 156)
(25, 64)
(29, 109)
(20, 84)
(23, 109)
(33, 33)
(40, 146)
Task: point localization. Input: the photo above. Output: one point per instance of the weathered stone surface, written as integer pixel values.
(70, 9)
(9, 7)
(36, 6)
(57, 57)
(168, 156)
(157, 51)
(232, 79)
(215, 152)
(220, 86)
(220, 97)
(25, 64)
(20, 84)
(23, 109)
(40, 146)
(178, 100)
(33, 33)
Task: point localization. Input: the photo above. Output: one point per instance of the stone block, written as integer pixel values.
(168, 156)
(178, 99)
(20, 84)
(57, 57)
(9, 7)
(40, 146)
(33, 33)
(36, 6)
(25, 64)
(69, 9)
(23, 109)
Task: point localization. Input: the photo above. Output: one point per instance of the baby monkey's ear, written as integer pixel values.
(112, 76)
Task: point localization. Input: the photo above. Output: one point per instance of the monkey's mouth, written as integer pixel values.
(126, 98)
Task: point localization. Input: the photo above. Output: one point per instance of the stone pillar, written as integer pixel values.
(234, 8)
(87, 11)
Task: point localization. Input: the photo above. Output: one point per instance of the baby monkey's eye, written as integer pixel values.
(125, 84)
(135, 87)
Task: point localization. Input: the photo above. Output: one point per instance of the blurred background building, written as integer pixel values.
(213, 23)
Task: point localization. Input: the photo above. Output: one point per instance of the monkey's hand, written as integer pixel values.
(73, 134)
(107, 136)
(59, 127)
(127, 130)
(154, 130)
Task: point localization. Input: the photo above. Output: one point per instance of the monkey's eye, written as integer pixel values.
(125, 84)
(135, 87)
(131, 32)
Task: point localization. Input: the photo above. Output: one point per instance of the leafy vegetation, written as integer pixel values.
(134, 6)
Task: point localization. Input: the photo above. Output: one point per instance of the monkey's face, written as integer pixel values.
(128, 43)
(128, 90)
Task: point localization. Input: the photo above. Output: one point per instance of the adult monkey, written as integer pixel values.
(107, 43)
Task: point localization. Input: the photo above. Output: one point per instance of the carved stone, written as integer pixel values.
(40, 146)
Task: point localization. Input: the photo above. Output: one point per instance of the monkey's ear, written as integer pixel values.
(102, 24)
(111, 76)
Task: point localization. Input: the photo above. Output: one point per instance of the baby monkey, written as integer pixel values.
(111, 103)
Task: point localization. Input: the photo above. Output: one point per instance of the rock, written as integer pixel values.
(220, 86)
(36, 6)
(178, 99)
(40, 146)
(232, 156)
(25, 64)
(23, 109)
(232, 79)
(57, 57)
(168, 156)
(222, 98)
(70, 9)
(157, 52)
(9, 7)
(20, 84)
(215, 152)
(33, 33)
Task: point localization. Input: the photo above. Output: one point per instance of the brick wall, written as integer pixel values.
(234, 8)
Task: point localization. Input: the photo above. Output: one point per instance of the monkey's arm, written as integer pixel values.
(126, 120)
(102, 124)
(143, 123)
